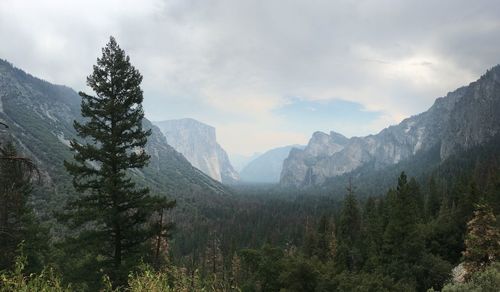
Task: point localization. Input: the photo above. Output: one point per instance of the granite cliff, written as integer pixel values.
(466, 117)
(197, 142)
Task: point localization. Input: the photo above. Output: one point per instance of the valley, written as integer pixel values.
(249, 146)
(286, 194)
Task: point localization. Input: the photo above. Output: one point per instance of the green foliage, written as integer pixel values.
(433, 271)
(402, 243)
(145, 280)
(18, 281)
(298, 275)
(487, 280)
(17, 220)
(15, 188)
(363, 282)
(444, 235)
(399, 246)
(482, 240)
(348, 254)
(433, 199)
(170, 279)
(113, 216)
(373, 229)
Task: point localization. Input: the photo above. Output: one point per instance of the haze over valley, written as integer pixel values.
(253, 146)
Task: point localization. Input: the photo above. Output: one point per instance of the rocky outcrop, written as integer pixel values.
(462, 119)
(197, 142)
(300, 165)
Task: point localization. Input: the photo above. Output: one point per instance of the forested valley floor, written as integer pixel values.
(437, 232)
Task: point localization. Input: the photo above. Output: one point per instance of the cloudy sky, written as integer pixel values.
(265, 73)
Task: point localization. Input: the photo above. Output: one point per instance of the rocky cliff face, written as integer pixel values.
(301, 165)
(197, 142)
(40, 117)
(463, 118)
(475, 117)
(228, 174)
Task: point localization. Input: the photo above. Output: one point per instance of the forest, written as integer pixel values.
(434, 230)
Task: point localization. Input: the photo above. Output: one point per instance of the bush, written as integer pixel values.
(483, 281)
(16, 280)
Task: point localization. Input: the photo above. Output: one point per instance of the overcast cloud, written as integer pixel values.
(259, 71)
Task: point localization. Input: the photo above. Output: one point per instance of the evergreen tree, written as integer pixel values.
(416, 199)
(114, 216)
(444, 236)
(349, 232)
(433, 200)
(310, 241)
(214, 260)
(372, 232)
(17, 222)
(482, 240)
(493, 189)
(324, 240)
(469, 196)
(235, 271)
(402, 244)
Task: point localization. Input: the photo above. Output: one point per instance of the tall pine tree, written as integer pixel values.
(114, 217)
(433, 200)
(17, 222)
(372, 232)
(349, 232)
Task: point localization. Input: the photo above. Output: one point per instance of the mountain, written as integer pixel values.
(266, 168)
(464, 118)
(239, 161)
(40, 117)
(197, 142)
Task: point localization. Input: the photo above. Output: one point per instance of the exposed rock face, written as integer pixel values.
(197, 142)
(300, 165)
(228, 174)
(463, 118)
(475, 117)
(40, 117)
(266, 168)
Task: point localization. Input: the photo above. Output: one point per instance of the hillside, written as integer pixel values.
(40, 117)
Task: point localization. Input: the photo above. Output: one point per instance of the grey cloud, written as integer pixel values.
(199, 57)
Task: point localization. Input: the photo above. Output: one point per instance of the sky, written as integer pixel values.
(265, 73)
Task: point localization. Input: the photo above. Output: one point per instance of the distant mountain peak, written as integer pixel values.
(465, 117)
(267, 167)
(198, 143)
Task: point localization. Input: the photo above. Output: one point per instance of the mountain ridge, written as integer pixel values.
(463, 118)
(40, 117)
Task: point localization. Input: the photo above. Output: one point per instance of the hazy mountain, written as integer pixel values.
(197, 142)
(464, 118)
(40, 117)
(266, 168)
(240, 161)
